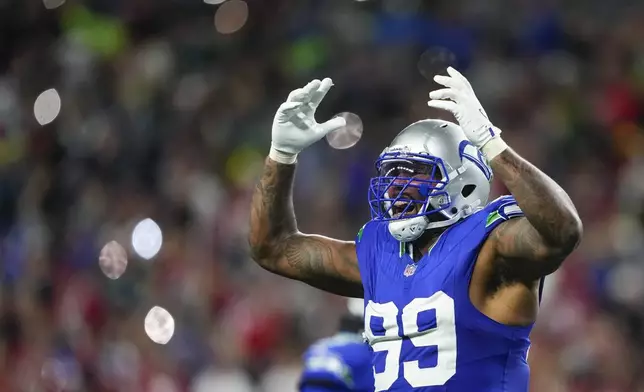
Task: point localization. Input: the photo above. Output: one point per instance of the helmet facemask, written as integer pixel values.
(409, 188)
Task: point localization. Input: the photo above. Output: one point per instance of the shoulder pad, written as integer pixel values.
(502, 209)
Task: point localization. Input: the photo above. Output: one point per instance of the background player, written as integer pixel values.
(501, 268)
(342, 362)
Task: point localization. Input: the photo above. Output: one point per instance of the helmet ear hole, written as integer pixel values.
(468, 190)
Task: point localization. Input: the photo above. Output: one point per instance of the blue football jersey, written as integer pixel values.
(338, 363)
(425, 333)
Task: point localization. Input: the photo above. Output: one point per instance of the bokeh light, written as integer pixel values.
(213, 2)
(47, 106)
(231, 16)
(113, 260)
(147, 238)
(159, 325)
(51, 4)
(347, 136)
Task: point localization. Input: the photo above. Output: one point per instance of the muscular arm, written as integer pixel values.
(551, 228)
(277, 245)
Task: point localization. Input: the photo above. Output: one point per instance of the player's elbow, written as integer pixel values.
(262, 252)
(570, 235)
(576, 232)
(567, 241)
(266, 251)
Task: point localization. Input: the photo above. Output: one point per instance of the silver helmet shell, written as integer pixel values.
(462, 188)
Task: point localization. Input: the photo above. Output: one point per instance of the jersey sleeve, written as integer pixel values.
(501, 210)
(362, 238)
(325, 370)
(366, 252)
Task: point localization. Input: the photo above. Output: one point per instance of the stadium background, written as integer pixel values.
(166, 113)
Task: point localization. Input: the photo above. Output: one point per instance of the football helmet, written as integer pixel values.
(429, 177)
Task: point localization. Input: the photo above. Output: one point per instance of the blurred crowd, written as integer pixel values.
(166, 107)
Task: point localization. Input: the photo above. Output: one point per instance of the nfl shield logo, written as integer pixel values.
(410, 270)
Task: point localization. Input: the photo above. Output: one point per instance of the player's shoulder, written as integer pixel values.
(505, 204)
(370, 231)
(475, 228)
(374, 237)
(500, 210)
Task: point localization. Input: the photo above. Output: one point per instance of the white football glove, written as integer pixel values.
(294, 125)
(458, 98)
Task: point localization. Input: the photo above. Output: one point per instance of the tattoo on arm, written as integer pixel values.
(516, 239)
(551, 228)
(272, 217)
(278, 246)
(325, 263)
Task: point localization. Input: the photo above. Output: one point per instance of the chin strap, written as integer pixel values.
(409, 229)
(398, 226)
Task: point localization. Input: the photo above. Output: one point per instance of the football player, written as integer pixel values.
(450, 281)
(342, 362)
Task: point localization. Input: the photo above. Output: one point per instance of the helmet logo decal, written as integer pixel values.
(475, 155)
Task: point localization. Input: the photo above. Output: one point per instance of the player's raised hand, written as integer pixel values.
(294, 125)
(458, 98)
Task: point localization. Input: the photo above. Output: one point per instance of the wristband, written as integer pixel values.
(493, 148)
(282, 157)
